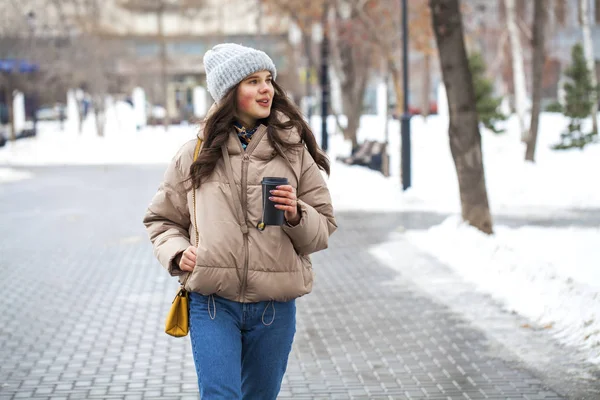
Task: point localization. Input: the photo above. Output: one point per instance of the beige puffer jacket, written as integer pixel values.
(236, 260)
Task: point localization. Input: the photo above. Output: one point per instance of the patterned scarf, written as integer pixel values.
(244, 134)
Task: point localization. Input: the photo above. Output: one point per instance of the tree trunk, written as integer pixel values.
(163, 66)
(539, 22)
(588, 49)
(465, 139)
(353, 94)
(353, 111)
(517, 64)
(354, 65)
(426, 84)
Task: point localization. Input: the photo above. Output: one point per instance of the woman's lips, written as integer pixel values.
(264, 103)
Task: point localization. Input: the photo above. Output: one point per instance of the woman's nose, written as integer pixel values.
(264, 87)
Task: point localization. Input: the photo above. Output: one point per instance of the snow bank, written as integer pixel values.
(549, 275)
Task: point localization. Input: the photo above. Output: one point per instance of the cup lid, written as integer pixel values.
(274, 180)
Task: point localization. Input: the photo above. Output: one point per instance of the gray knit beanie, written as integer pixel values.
(228, 64)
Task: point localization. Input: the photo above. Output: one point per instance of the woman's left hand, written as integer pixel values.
(285, 197)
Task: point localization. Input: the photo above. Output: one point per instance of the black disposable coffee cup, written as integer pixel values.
(271, 215)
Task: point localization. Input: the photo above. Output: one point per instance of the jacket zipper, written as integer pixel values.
(244, 200)
(245, 161)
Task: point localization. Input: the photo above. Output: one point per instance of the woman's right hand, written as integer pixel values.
(188, 259)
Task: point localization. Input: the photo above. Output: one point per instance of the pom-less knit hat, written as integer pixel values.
(228, 64)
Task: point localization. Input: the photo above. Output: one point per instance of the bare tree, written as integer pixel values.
(305, 14)
(363, 33)
(465, 138)
(353, 61)
(588, 49)
(539, 50)
(381, 19)
(351, 57)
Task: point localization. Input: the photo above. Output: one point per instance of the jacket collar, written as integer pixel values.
(259, 147)
(259, 142)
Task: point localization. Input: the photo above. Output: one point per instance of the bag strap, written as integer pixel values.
(195, 223)
(196, 152)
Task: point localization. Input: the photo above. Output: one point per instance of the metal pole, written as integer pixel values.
(405, 125)
(324, 81)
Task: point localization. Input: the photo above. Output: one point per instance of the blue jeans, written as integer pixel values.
(240, 349)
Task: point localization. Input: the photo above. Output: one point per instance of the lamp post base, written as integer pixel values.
(405, 162)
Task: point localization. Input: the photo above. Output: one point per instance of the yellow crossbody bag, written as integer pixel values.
(178, 319)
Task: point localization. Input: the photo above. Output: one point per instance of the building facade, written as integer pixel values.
(188, 29)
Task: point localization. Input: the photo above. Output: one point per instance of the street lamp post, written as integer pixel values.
(324, 80)
(405, 125)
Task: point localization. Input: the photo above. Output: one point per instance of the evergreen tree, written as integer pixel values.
(488, 106)
(578, 102)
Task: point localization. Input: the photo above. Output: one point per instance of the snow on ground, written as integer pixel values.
(559, 180)
(13, 175)
(55, 147)
(547, 274)
(514, 186)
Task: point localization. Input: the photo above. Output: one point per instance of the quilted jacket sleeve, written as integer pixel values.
(167, 218)
(317, 222)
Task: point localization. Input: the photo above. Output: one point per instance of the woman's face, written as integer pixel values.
(254, 98)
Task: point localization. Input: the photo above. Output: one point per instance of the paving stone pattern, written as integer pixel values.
(83, 303)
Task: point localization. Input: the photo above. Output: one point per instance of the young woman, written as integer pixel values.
(205, 223)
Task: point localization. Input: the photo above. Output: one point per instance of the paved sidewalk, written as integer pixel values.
(83, 304)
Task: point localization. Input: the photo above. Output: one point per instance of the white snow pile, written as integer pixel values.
(549, 275)
(13, 175)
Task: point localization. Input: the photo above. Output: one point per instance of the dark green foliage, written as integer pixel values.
(554, 107)
(488, 106)
(578, 102)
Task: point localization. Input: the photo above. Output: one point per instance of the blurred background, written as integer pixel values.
(110, 48)
(464, 144)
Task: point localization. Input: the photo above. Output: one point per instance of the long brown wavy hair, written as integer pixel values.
(220, 123)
